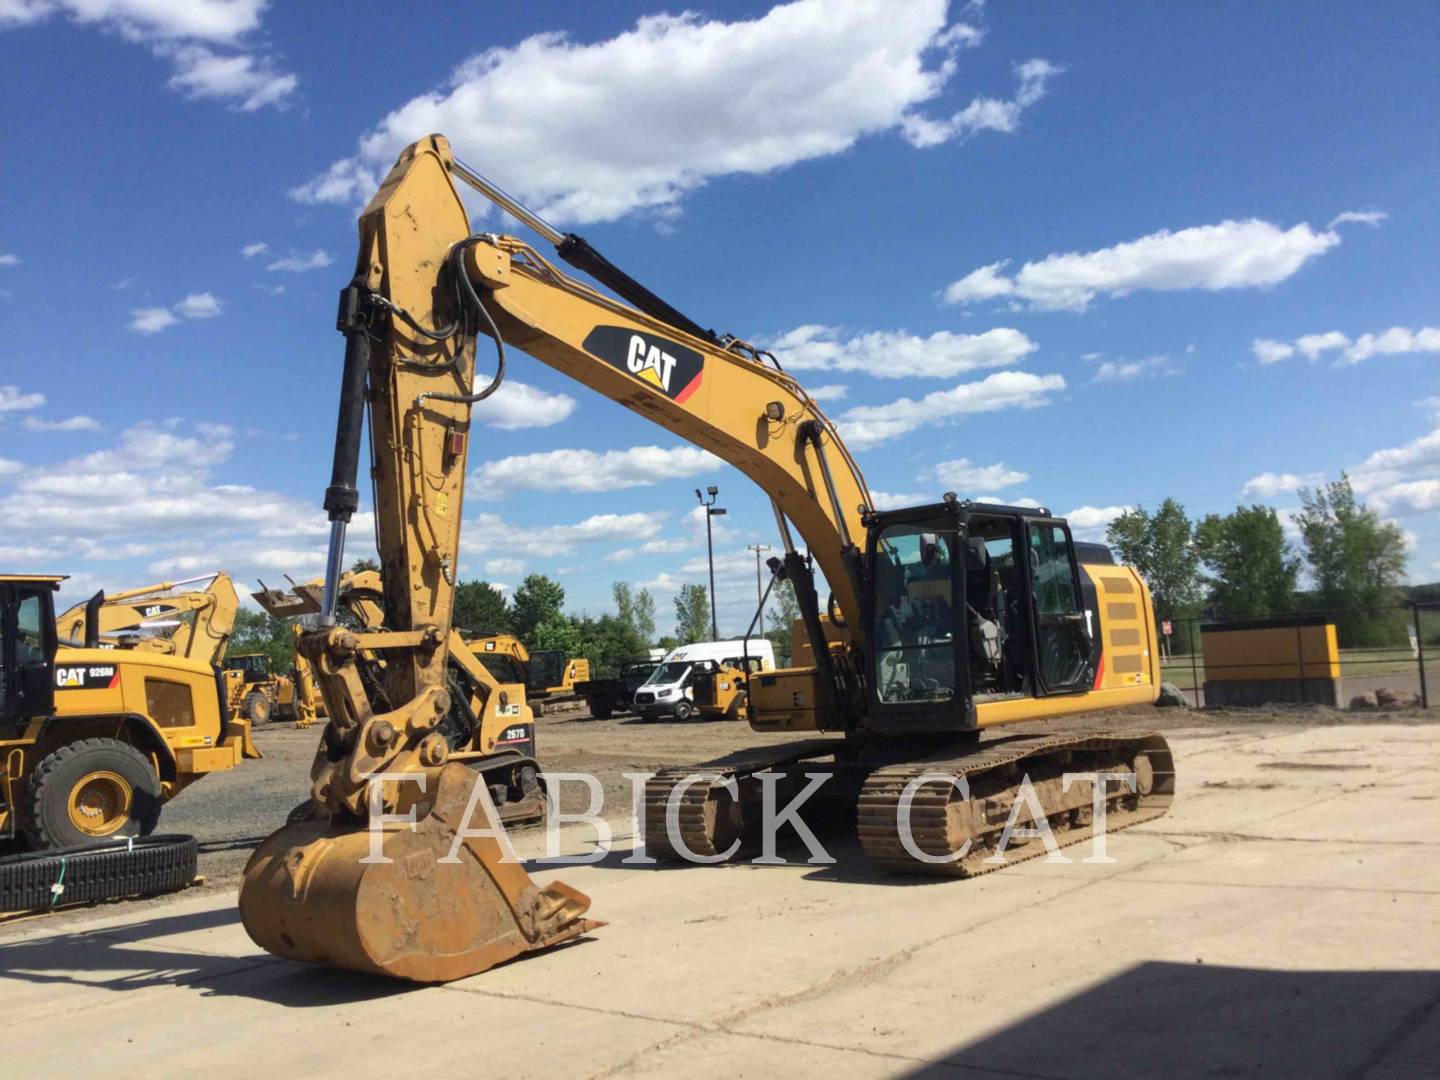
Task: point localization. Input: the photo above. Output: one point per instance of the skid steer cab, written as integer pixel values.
(93, 742)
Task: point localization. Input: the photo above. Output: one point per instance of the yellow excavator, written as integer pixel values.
(944, 620)
(548, 674)
(199, 621)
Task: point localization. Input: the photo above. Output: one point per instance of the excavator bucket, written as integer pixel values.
(309, 895)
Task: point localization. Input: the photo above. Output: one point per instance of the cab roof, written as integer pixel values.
(50, 579)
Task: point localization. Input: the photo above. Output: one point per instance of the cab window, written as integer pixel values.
(29, 636)
(914, 615)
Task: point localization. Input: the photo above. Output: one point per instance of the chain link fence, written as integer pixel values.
(1373, 657)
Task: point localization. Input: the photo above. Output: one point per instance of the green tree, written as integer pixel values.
(480, 608)
(1161, 548)
(538, 600)
(261, 632)
(784, 609)
(364, 564)
(607, 642)
(692, 614)
(645, 616)
(1357, 561)
(1251, 568)
(555, 632)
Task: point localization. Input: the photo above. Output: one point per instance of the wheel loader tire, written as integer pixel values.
(684, 710)
(89, 792)
(256, 707)
(145, 866)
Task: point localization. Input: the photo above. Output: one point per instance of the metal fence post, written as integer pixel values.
(1194, 667)
(1420, 657)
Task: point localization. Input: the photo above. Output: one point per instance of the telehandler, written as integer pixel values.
(93, 741)
(944, 620)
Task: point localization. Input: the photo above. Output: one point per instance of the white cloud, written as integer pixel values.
(894, 500)
(1396, 340)
(869, 425)
(589, 470)
(74, 423)
(985, 114)
(1271, 352)
(198, 306)
(1124, 370)
(984, 283)
(155, 492)
(1312, 345)
(151, 320)
(638, 121)
(1268, 484)
(251, 81)
(505, 567)
(10, 468)
(7, 259)
(965, 476)
(1088, 523)
(12, 400)
(1359, 217)
(518, 405)
(488, 532)
(828, 392)
(298, 264)
(897, 355)
(1230, 255)
(188, 33)
(1401, 479)
(249, 251)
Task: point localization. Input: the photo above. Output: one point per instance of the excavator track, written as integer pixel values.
(943, 822)
(709, 819)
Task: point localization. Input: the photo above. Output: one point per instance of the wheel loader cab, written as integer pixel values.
(967, 603)
(27, 653)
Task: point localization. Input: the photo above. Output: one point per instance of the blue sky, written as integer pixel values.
(1083, 255)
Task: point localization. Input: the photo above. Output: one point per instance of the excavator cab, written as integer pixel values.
(971, 602)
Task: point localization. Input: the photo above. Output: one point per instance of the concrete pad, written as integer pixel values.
(1194, 953)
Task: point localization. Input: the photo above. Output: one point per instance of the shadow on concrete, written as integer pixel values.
(1191, 1020)
(117, 959)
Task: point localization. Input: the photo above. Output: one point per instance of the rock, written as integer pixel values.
(1172, 697)
(1364, 702)
(1388, 697)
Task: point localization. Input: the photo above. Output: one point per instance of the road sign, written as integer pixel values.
(1165, 627)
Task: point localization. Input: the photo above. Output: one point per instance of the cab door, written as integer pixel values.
(27, 620)
(1062, 635)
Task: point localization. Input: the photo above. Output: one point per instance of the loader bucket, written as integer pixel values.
(307, 896)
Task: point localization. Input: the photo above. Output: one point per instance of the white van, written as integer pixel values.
(668, 691)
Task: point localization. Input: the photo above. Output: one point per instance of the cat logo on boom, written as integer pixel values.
(673, 369)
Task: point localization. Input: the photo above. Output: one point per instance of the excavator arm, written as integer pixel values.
(202, 637)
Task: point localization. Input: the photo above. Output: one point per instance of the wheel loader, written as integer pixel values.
(945, 621)
(94, 741)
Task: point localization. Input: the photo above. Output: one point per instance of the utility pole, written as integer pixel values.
(759, 593)
(711, 510)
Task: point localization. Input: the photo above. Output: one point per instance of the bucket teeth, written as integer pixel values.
(311, 894)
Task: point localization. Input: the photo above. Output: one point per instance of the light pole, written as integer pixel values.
(759, 595)
(711, 510)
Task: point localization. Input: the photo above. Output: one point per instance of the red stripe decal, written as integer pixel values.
(1100, 671)
(690, 387)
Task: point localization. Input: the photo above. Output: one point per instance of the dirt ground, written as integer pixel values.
(229, 813)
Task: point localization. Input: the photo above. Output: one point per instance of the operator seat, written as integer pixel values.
(986, 601)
